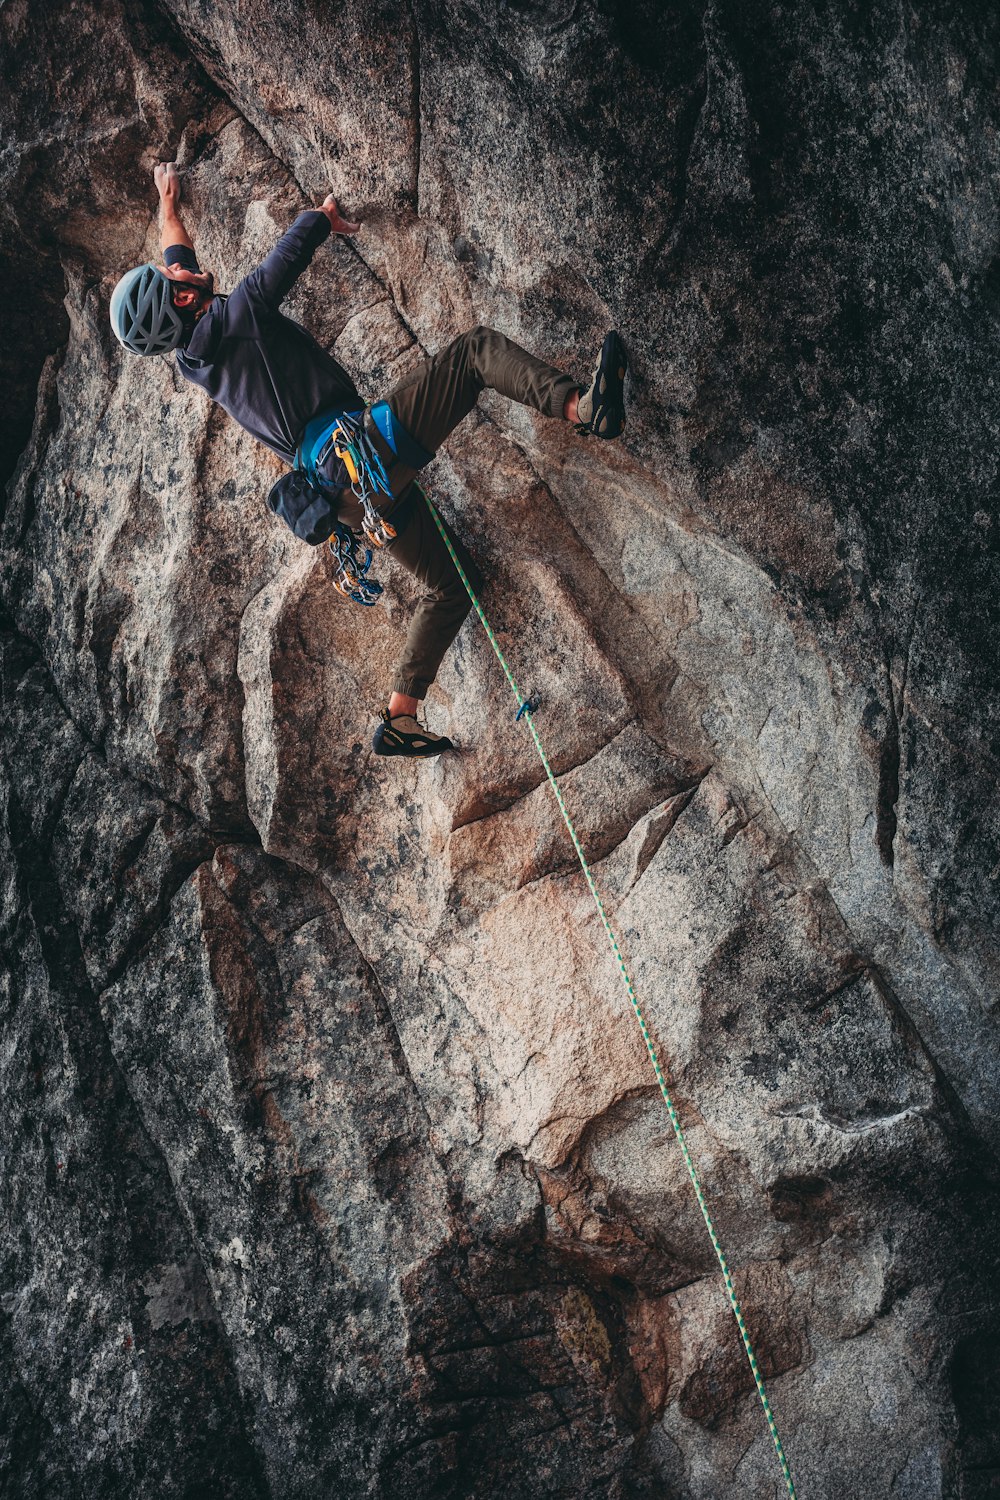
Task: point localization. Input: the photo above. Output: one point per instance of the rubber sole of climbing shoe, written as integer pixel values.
(418, 744)
(602, 404)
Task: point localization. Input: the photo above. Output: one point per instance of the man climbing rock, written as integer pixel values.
(278, 383)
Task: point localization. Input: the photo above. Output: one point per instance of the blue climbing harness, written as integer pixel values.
(343, 433)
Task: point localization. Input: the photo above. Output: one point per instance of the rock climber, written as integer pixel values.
(276, 380)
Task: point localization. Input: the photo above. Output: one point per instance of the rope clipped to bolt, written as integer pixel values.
(526, 709)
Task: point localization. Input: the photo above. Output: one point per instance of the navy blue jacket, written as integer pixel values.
(265, 370)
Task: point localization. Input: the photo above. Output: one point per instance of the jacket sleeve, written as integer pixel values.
(266, 288)
(181, 255)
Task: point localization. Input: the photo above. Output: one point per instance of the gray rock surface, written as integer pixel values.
(333, 1163)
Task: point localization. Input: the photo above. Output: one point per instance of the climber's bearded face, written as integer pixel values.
(191, 288)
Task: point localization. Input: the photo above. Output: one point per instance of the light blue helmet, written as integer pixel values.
(143, 315)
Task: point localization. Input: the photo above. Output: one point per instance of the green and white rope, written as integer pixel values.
(636, 1007)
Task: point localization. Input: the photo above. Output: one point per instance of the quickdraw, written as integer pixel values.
(351, 579)
(369, 481)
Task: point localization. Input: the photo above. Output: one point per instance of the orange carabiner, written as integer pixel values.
(346, 458)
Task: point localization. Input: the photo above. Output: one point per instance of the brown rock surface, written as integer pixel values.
(333, 1161)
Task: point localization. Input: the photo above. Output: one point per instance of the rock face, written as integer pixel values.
(333, 1162)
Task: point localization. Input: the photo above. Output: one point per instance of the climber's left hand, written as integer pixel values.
(338, 224)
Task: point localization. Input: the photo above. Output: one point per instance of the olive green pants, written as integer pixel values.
(430, 402)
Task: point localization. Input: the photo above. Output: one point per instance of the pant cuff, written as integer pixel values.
(560, 395)
(410, 687)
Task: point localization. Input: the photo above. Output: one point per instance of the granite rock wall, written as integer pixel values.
(332, 1160)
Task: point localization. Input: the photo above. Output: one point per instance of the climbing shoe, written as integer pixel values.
(402, 735)
(602, 404)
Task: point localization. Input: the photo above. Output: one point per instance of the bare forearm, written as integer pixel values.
(172, 231)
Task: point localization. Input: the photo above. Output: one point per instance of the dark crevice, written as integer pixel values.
(886, 820)
(888, 794)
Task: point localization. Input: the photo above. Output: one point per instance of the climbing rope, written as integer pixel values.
(526, 708)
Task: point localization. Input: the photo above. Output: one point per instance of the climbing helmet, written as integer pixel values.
(143, 315)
